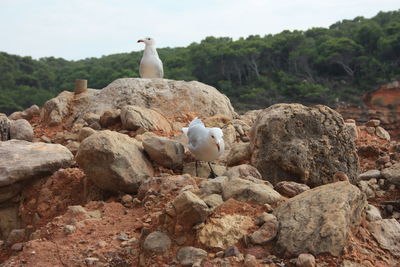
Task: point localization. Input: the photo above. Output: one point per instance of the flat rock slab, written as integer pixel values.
(22, 160)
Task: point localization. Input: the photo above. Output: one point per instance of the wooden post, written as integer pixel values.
(80, 86)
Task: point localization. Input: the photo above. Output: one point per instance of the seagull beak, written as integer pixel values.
(218, 147)
(140, 41)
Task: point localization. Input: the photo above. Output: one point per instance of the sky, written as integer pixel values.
(77, 29)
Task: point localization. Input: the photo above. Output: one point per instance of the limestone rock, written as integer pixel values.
(290, 189)
(243, 171)
(239, 153)
(191, 256)
(212, 186)
(305, 260)
(21, 130)
(190, 209)
(319, 220)
(113, 161)
(135, 117)
(157, 242)
(110, 117)
(21, 160)
(370, 174)
(387, 233)
(382, 133)
(267, 231)
(166, 152)
(373, 213)
(213, 200)
(226, 231)
(85, 132)
(56, 109)
(247, 191)
(392, 174)
(302, 144)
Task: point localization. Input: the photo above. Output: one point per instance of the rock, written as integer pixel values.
(305, 260)
(8, 192)
(56, 109)
(17, 247)
(267, 231)
(73, 146)
(9, 220)
(290, 189)
(370, 174)
(229, 135)
(247, 191)
(218, 120)
(45, 139)
(91, 261)
(126, 199)
(110, 117)
(382, 133)
(232, 251)
(203, 169)
(21, 130)
(392, 174)
(77, 209)
(123, 237)
(31, 112)
(243, 171)
(113, 161)
(190, 209)
(191, 256)
(69, 229)
(373, 123)
(250, 261)
(16, 236)
(22, 160)
(135, 117)
(239, 153)
(212, 186)
(319, 220)
(166, 152)
(366, 189)
(17, 115)
(302, 144)
(370, 130)
(92, 118)
(157, 242)
(387, 233)
(373, 213)
(187, 97)
(85, 132)
(352, 130)
(226, 231)
(4, 128)
(213, 200)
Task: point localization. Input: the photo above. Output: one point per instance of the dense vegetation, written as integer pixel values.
(319, 65)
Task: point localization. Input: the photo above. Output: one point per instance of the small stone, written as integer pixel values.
(123, 237)
(191, 256)
(373, 213)
(17, 247)
(157, 242)
(370, 130)
(126, 199)
(102, 243)
(77, 209)
(181, 240)
(250, 261)
(231, 251)
(382, 133)
(45, 139)
(388, 164)
(91, 260)
(69, 229)
(267, 231)
(340, 176)
(305, 260)
(85, 132)
(16, 236)
(370, 174)
(373, 123)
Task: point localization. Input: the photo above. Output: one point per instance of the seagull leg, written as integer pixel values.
(197, 174)
(212, 174)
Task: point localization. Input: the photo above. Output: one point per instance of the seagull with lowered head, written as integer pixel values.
(205, 143)
(150, 65)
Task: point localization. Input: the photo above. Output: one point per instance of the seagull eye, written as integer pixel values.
(212, 136)
(148, 38)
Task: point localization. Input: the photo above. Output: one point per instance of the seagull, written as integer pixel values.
(205, 143)
(150, 65)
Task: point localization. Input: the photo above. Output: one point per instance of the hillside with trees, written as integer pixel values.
(318, 66)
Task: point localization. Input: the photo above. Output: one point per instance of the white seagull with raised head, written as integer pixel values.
(150, 65)
(206, 144)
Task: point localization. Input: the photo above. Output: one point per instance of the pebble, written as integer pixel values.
(69, 229)
(17, 247)
(91, 260)
(123, 237)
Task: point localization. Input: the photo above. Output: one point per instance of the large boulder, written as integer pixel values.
(114, 161)
(319, 220)
(21, 160)
(171, 98)
(292, 142)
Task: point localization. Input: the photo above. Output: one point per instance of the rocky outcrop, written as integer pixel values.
(302, 144)
(319, 220)
(171, 98)
(114, 161)
(22, 160)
